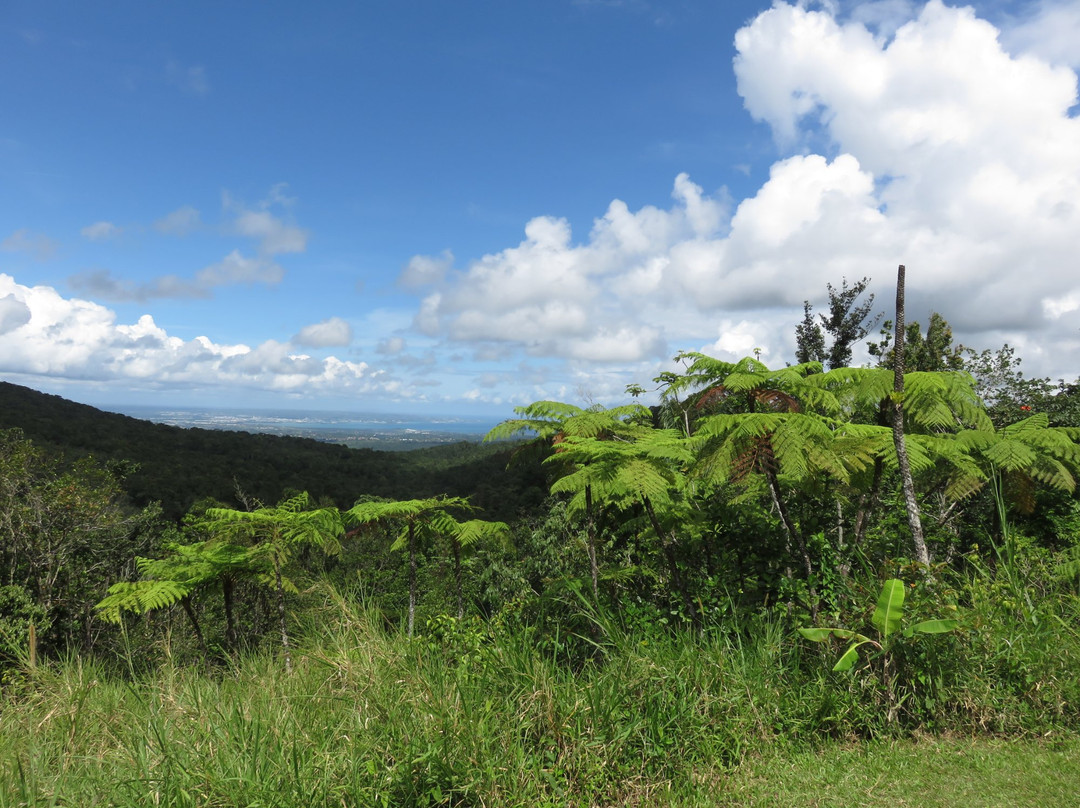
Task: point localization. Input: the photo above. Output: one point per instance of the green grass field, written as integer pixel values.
(472, 717)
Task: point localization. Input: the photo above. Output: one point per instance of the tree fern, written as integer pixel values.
(427, 519)
(140, 597)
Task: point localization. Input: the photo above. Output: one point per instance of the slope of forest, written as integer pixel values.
(179, 466)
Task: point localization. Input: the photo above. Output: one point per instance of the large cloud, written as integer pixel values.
(575, 301)
(45, 334)
(942, 151)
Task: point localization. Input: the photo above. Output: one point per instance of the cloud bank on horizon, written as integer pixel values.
(904, 134)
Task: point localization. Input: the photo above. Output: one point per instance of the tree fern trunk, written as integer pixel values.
(227, 585)
(190, 612)
(673, 565)
(907, 483)
(590, 544)
(794, 537)
(867, 504)
(412, 578)
(281, 615)
(457, 581)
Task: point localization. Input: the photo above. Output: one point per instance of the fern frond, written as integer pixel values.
(139, 597)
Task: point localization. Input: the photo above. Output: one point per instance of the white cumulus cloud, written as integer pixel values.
(908, 135)
(45, 334)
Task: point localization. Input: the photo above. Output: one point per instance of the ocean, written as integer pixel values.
(359, 430)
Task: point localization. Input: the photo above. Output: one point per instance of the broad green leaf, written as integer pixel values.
(890, 607)
(822, 634)
(848, 659)
(934, 626)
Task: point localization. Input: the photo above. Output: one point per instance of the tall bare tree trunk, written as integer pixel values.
(190, 612)
(457, 580)
(795, 538)
(590, 544)
(912, 504)
(227, 587)
(412, 578)
(281, 615)
(666, 545)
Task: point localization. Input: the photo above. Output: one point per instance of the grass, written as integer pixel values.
(926, 772)
(482, 715)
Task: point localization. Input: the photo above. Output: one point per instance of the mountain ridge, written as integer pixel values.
(180, 465)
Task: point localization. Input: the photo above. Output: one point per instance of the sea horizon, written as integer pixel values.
(357, 429)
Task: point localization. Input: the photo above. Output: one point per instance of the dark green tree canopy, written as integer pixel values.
(846, 323)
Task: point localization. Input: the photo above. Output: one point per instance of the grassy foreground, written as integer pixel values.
(951, 773)
(472, 716)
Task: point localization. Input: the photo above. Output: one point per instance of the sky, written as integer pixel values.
(456, 208)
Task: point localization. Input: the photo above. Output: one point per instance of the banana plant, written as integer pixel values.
(887, 618)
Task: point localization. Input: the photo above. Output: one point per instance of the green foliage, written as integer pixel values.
(18, 612)
(140, 597)
(482, 713)
(278, 531)
(184, 571)
(423, 521)
(887, 619)
(178, 467)
(65, 530)
(846, 324)
(933, 351)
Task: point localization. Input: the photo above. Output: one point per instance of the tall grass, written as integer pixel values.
(469, 714)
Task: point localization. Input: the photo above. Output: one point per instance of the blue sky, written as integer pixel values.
(439, 207)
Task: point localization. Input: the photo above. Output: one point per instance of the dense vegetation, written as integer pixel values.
(177, 467)
(746, 567)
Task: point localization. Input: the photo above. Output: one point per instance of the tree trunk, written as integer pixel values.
(908, 484)
(281, 615)
(590, 544)
(843, 568)
(794, 536)
(673, 565)
(227, 585)
(457, 580)
(868, 504)
(186, 603)
(412, 578)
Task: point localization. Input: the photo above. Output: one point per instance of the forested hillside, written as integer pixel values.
(178, 466)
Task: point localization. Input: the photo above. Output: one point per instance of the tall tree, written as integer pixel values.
(645, 467)
(911, 504)
(276, 533)
(553, 422)
(187, 570)
(930, 352)
(425, 519)
(462, 536)
(65, 531)
(846, 323)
